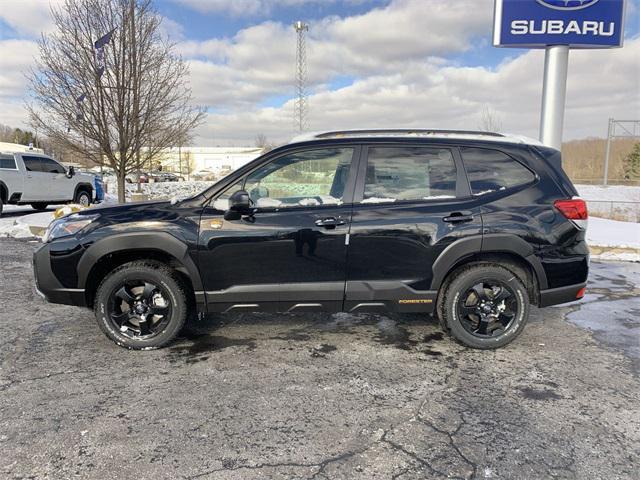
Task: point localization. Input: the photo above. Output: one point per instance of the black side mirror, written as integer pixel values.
(71, 171)
(239, 204)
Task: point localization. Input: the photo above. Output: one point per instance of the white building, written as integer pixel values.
(215, 159)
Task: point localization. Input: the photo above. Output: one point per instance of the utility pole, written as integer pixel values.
(300, 107)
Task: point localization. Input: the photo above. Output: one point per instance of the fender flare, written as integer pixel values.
(489, 243)
(83, 186)
(138, 241)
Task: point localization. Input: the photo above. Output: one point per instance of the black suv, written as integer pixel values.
(471, 226)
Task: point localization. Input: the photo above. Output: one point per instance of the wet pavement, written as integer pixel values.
(320, 396)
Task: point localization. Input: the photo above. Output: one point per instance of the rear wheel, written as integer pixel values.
(83, 198)
(485, 306)
(141, 305)
(39, 206)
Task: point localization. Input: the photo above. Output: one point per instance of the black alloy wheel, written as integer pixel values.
(142, 305)
(487, 309)
(484, 305)
(139, 309)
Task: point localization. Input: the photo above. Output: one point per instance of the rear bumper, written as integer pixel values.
(556, 296)
(48, 286)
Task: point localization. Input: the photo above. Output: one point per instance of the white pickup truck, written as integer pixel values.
(29, 178)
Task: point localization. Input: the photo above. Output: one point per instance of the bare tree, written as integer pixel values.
(489, 120)
(263, 142)
(6, 133)
(107, 105)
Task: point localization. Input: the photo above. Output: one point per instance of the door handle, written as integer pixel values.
(330, 222)
(459, 217)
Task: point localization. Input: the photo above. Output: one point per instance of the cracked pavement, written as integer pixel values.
(320, 396)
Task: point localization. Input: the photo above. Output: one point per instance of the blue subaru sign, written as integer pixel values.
(541, 23)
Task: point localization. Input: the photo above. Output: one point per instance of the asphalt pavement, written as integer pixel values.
(320, 396)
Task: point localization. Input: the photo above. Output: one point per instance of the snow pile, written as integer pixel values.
(610, 193)
(9, 228)
(613, 240)
(617, 202)
(158, 191)
(611, 233)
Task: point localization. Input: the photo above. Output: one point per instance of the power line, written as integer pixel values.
(301, 103)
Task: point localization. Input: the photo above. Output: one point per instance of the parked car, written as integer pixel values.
(136, 177)
(472, 227)
(164, 177)
(28, 178)
(205, 175)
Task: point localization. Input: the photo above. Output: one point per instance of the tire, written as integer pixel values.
(83, 198)
(1, 205)
(481, 288)
(121, 327)
(39, 206)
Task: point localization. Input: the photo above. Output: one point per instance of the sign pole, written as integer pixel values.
(554, 90)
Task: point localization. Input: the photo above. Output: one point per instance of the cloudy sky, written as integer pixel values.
(372, 63)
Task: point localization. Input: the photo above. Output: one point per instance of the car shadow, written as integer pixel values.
(202, 338)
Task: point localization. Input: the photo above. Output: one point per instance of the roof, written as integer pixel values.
(16, 147)
(418, 133)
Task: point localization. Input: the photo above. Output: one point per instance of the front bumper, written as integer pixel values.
(48, 286)
(556, 296)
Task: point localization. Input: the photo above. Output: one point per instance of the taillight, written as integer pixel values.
(575, 209)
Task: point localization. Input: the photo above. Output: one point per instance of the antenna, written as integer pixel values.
(300, 106)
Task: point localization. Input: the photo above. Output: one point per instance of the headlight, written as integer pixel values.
(66, 226)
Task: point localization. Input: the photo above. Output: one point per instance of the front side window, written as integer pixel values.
(409, 173)
(8, 162)
(32, 164)
(308, 178)
(51, 166)
(491, 170)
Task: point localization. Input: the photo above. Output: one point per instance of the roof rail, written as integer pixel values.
(405, 131)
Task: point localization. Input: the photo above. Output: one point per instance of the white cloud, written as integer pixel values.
(248, 7)
(16, 57)
(428, 95)
(396, 57)
(384, 40)
(28, 17)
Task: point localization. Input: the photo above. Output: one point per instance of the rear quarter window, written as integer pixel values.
(7, 162)
(491, 170)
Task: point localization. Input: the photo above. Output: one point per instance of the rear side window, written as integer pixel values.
(491, 170)
(409, 173)
(7, 161)
(32, 164)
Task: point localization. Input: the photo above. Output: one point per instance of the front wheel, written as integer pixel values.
(83, 198)
(485, 306)
(141, 305)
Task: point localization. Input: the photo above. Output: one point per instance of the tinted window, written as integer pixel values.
(491, 170)
(7, 161)
(308, 178)
(32, 164)
(409, 173)
(50, 166)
